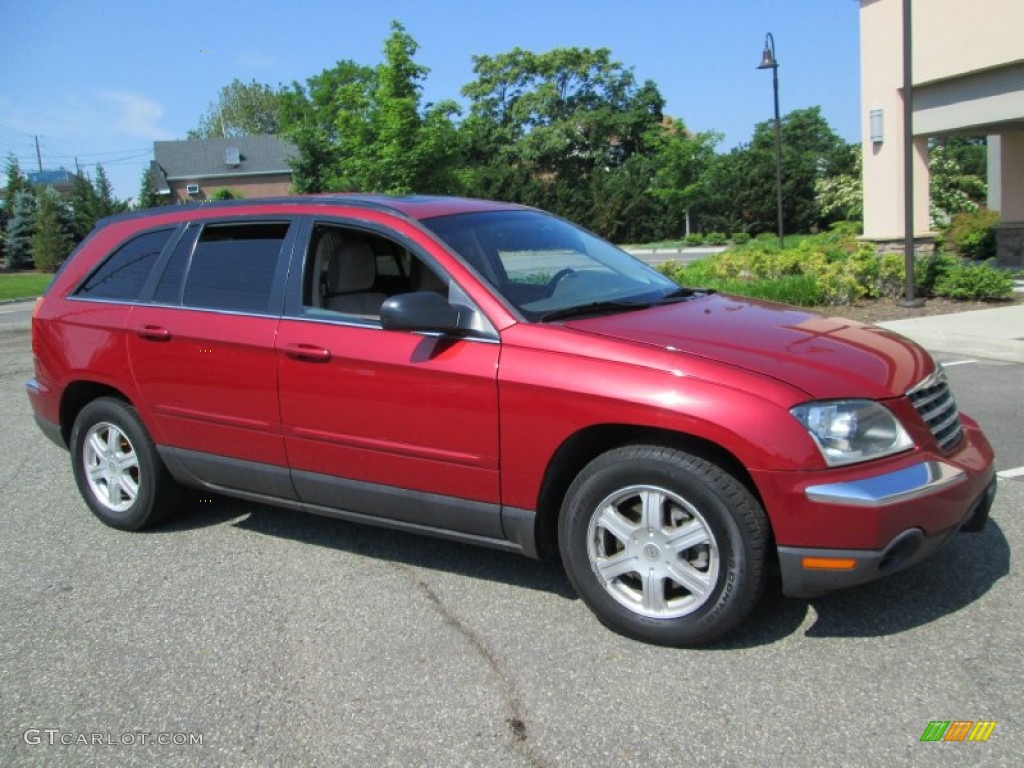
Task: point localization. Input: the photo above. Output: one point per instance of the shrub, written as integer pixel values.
(846, 228)
(929, 269)
(223, 193)
(978, 282)
(715, 238)
(832, 269)
(695, 238)
(892, 275)
(740, 238)
(973, 234)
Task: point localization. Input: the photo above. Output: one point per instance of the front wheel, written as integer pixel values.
(117, 469)
(663, 546)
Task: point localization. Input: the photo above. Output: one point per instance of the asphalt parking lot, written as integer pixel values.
(281, 639)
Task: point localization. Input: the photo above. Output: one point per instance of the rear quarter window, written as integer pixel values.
(123, 274)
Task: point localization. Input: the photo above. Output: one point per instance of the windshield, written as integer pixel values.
(543, 265)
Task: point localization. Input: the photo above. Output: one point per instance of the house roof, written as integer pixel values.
(209, 158)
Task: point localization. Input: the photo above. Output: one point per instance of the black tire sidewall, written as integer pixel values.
(704, 486)
(143, 510)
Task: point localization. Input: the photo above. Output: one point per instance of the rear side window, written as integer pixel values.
(123, 274)
(233, 265)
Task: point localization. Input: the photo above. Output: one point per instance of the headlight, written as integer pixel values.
(848, 431)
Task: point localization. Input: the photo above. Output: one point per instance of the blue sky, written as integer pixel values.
(101, 81)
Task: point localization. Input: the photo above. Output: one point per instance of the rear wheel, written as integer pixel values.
(663, 546)
(117, 468)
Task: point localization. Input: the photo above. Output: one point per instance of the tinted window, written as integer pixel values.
(123, 274)
(232, 267)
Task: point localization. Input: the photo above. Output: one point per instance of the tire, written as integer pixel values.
(698, 533)
(117, 468)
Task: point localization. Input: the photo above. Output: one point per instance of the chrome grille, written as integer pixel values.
(934, 400)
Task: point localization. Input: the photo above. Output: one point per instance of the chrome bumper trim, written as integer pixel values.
(891, 488)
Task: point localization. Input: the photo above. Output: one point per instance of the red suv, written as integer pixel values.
(495, 375)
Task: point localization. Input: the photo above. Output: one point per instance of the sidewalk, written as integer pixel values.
(995, 334)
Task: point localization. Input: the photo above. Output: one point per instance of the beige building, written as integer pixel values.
(968, 72)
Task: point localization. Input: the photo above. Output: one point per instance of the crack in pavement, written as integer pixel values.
(515, 708)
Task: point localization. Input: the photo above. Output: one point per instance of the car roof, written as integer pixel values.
(419, 207)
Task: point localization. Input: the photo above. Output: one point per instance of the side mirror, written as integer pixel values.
(420, 311)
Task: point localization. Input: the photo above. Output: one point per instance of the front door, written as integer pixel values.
(385, 423)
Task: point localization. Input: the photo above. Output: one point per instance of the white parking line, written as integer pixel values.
(958, 362)
(1009, 474)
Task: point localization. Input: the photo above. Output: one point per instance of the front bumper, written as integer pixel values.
(808, 571)
(842, 527)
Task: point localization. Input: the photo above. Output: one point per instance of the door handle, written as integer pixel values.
(153, 333)
(307, 352)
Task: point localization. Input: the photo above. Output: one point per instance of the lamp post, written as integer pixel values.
(768, 61)
(909, 299)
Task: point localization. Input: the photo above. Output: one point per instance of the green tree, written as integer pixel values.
(148, 198)
(362, 129)
(16, 182)
(50, 244)
(567, 130)
(970, 153)
(241, 109)
(682, 161)
(84, 205)
(106, 203)
(90, 201)
(20, 228)
(841, 197)
(951, 189)
(742, 185)
(313, 117)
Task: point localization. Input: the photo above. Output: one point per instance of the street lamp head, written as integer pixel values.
(768, 57)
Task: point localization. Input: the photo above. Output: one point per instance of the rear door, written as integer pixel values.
(202, 352)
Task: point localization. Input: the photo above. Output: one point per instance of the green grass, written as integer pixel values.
(23, 285)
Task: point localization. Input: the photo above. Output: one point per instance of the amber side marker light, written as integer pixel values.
(37, 307)
(829, 563)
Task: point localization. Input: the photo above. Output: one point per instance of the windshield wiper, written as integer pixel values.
(593, 308)
(684, 293)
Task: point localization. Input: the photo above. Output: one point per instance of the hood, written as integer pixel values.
(826, 357)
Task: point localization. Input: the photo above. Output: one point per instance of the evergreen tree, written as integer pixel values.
(16, 182)
(20, 228)
(83, 207)
(50, 244)
(148, 197)
(106, 203)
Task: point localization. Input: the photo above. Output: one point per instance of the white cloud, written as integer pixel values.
(136, 115)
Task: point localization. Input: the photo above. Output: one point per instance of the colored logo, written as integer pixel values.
(958, 730)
